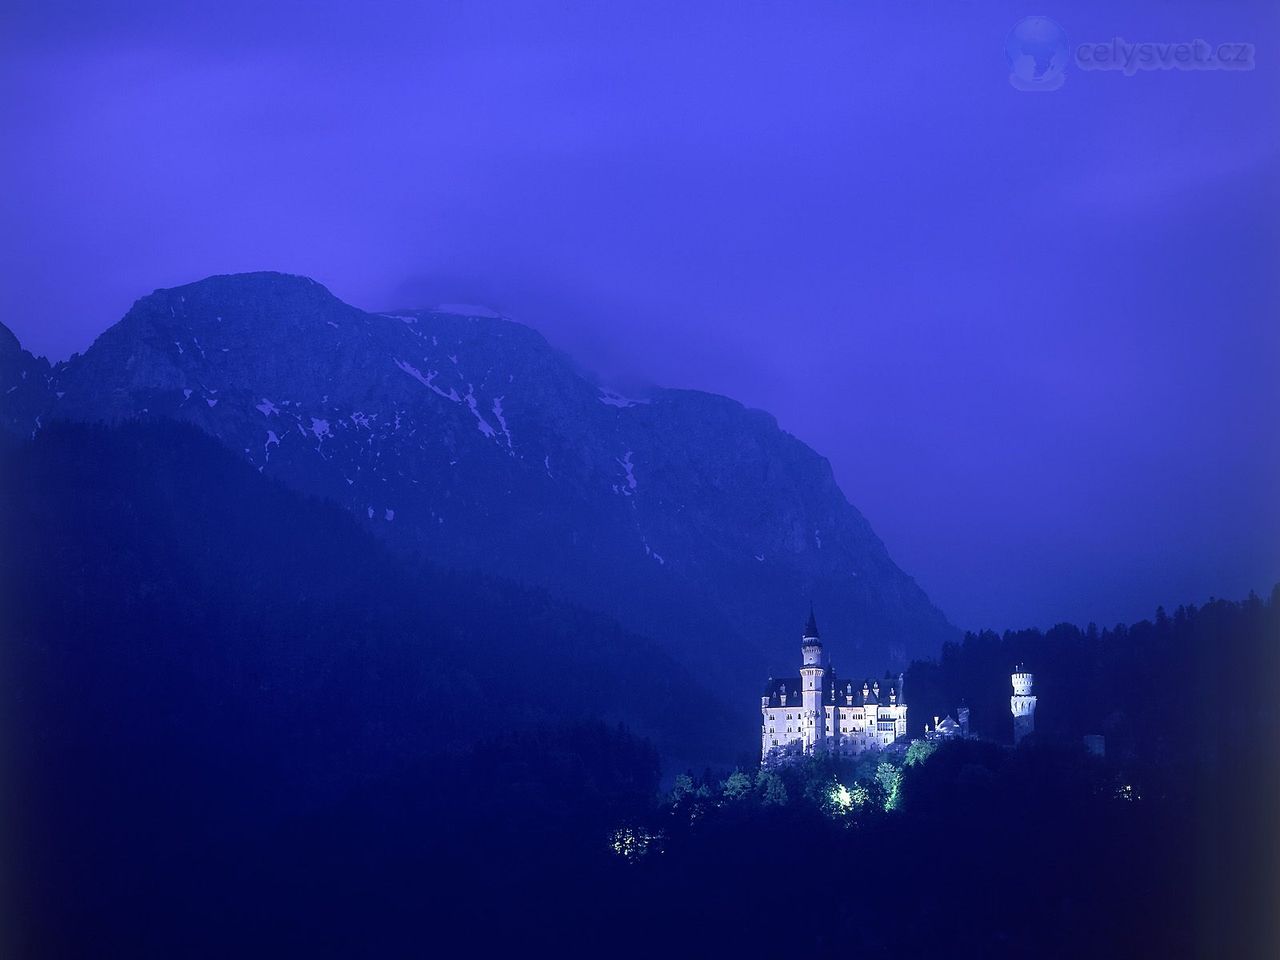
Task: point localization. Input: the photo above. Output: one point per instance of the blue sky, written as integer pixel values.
(1036, 333)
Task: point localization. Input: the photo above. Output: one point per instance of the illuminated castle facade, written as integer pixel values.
(1023, 705)
(818, 711)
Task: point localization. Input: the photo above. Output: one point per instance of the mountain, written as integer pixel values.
(25, 386)
(469, 441)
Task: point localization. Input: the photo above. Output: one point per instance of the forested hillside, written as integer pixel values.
(1160, 690)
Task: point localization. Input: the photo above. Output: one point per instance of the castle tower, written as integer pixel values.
(1022, 704)
(813, 672)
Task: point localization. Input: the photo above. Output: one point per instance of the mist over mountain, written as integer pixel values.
(471, 442)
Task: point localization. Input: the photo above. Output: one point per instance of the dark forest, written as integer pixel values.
(246, 727)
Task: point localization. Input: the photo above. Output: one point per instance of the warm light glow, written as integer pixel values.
(845, 800)
(631, 844)
(841, 798)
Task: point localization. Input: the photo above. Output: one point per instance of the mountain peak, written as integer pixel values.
(9, 345)
(261, 279)
(24, 386)
(267, 286)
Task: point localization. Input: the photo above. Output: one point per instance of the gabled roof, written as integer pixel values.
(870, 692)
(775, 688)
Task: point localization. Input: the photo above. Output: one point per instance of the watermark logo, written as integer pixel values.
(1118, 54)
(1038, 54)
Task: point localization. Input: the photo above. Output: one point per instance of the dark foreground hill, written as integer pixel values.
(191, 649)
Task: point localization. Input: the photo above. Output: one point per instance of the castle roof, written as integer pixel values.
(775, 688)
(811, 628)
(869, 692)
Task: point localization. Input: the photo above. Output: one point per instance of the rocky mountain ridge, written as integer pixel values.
(470, 441)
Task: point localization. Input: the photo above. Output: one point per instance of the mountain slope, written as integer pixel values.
(25, 386)
(192, 655)
(470, 441)
(145, 567)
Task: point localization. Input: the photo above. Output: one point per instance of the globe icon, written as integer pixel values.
(1037, 51)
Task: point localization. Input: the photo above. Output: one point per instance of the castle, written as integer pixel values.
(816, 711)
(1022, 704)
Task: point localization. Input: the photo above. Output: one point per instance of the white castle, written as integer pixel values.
(1022, 704)
(816, 711)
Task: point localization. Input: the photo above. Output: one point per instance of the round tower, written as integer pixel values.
(812, 674)
(1022, 704)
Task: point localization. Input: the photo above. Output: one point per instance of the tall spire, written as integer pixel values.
(811, 628)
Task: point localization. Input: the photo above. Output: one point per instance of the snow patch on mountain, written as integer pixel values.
(502, 421)
(481, 423)
(426, 380)
(614, 399)
(630, 479)
(467, 310)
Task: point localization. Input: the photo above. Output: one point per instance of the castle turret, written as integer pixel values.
(1022, 704)
(812, 676)
(811, 642)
